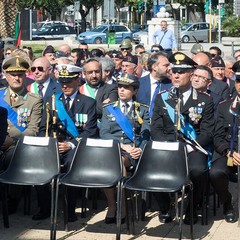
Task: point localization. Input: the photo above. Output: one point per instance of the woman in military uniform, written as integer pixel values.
(128, 122)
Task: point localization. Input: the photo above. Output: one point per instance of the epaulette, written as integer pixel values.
(108, 104)
(226, 100)
(33, 95)
(204, 93)
(3, 88)
(163, 91)
(144, 105)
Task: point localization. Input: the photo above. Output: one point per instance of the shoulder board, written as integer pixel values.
(163, 91)
(204, 93)
(33, 95)
(228, 100)
(141, 104)
(4, 88)
(108, 104)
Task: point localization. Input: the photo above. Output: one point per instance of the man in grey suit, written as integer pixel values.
(95, 88)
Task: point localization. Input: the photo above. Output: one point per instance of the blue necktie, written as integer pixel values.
(157, 89)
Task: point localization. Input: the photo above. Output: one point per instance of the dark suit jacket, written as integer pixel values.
(81, 105)
(144, 91)
(53, 88)
(105, 91)
(221, 88)
(162, 127)
(3, 124)
(224, 130)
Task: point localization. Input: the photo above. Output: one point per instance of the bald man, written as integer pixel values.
(65, 48)
(44, 85)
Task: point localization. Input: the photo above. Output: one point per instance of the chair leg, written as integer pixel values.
(4, 206)
(65, 208)
(27, 199)
(94, 198)
(119, 207)
(84, 202)
(55, 208)
(143, 205)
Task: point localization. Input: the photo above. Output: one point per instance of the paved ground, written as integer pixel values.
(94, 228)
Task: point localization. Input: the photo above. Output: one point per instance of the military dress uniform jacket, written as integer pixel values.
(111, 130)
(162, 127)
(29, 108)
(81, 105)
(224, 130)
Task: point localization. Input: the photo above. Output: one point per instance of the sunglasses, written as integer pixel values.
(7, 53)
(155, 50)
(40, 69)
(213, 55)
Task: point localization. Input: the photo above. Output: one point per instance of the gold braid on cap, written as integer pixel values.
(64, 71)
(179, 57)
(17, 63)
(125, 79)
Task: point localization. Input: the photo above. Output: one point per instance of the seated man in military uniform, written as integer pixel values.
(24, 112)
(72, 117)
(194, 126)
(128, 122)
(226, 156)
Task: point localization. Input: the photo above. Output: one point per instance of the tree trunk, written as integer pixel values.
(8, 10)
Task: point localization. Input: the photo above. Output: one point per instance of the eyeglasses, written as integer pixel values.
(201, 78)
(40, 69)
(155, 50)
(92, 71)
(7, 53)
(125, 49)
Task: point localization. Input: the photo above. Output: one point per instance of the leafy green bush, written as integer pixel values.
(231, 26)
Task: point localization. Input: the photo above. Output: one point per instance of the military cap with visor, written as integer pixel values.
(15, 64)
(127, 79)
(68, 72)
(236, 69)
(181, 62)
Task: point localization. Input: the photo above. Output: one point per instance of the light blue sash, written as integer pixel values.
(186, 128)
(122, 121)
(64, 117)
(12, 115)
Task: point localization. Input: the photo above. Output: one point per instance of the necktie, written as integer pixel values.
(68, 99)
(157, 89)
(125, 108)
(13, 97)
(40, 88)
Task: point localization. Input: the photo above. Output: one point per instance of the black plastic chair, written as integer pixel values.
(163, 171)
(33, 165)
(95, 166)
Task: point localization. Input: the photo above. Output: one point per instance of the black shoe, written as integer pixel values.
(229, 213)
(110, 220)
(41, 215)
(187, 218)
(72, 217)
(165, 217)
